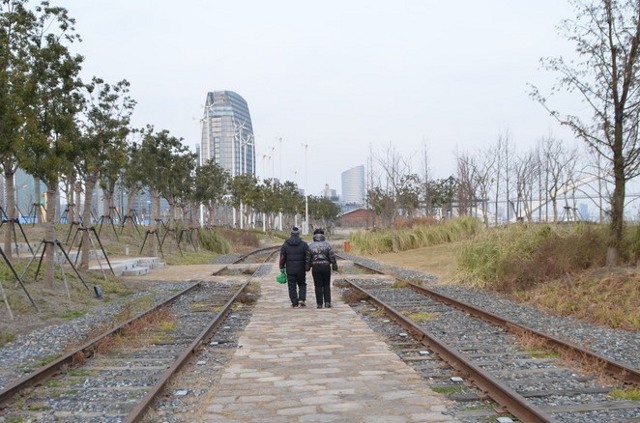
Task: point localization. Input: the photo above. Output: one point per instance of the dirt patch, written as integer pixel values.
(438, 260)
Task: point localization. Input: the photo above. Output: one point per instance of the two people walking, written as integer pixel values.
(297, 257)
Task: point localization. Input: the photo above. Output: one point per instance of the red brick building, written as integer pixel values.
(357, 218)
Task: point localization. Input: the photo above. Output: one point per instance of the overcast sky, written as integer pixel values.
(345, 77)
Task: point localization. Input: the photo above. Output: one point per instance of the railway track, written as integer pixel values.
(555, 381)
(117, 376)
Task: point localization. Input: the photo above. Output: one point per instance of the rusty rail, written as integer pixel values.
(618, 370)
(138, 412)
(87, 350)
(513, 402)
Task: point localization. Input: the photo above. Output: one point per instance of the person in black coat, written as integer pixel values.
(293, 256)
(321, 260)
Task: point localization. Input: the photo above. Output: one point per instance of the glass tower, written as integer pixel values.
(227, 133)
(353, 185)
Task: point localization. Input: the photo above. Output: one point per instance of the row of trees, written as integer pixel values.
(494, 183)
(73, 136)
(604, 77)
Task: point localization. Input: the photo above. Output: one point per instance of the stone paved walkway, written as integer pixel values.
(317, 365)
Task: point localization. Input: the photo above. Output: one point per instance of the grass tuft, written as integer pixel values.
(626, 394)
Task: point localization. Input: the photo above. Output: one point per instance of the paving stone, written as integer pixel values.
(317, 365)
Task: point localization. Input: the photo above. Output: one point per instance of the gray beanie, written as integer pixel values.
(295, 231)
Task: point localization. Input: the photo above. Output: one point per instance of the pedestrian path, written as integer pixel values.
(317, 365)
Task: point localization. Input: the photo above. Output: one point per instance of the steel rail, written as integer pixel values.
(87, 350)
(502, 394)
(139, 411)
(616, 369)
(620, 371)
(256, 251)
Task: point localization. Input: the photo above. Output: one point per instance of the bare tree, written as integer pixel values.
(394, 169)
(426, 167)
(466, 186)
(605, 76)
(525, 168)
(501, 153)
(483, 177)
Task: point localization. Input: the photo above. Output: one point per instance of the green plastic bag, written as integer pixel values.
(282, 277)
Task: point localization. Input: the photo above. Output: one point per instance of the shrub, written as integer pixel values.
(521, 256)
(211, 240)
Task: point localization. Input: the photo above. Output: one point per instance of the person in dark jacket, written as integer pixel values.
(293, 254)
(321, 260)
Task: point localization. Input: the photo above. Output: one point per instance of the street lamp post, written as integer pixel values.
(205, 150)
(305, 227)
(295, 217)
(280, 178)
(243, 159)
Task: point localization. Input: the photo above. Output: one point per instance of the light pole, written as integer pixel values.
(243, 159)
(245, 144)
(295, 217)
(305, 227)
(280, 157)
(233, 168)
(205, 145)
(273, 161)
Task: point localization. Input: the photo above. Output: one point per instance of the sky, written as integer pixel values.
(347, 78)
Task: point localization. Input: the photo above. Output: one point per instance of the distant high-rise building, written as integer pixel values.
(329, 193)
(227, 133)
(353, 185)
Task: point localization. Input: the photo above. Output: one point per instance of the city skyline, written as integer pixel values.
(449, 75)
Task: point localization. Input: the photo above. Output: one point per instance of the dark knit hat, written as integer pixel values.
(318, 231)
(295, 231)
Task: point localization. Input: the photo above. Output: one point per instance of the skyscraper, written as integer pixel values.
(353, 185)
(227, 133)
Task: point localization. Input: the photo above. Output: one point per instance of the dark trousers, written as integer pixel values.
(297, 283)
(322, 283)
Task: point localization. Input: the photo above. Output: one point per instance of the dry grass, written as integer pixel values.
(353, 296)
(438, 260)
(609, 297)
(250, 295)
(420, 316)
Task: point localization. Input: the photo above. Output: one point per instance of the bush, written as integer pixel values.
(212, 241)
(521, 256)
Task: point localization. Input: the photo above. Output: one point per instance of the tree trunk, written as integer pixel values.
(89, 188)
(37, 201)
(617, 206)
(50, 235)
(9, 180)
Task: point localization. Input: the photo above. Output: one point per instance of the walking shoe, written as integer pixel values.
(294, 305)
(319, 305)
(327, 305)
(303, 304)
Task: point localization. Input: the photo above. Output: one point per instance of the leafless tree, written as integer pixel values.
(483, 178)
(466, 184)
(426, 167)
(525, 168)
(394, 169)
(605, 76)
(501, 151)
